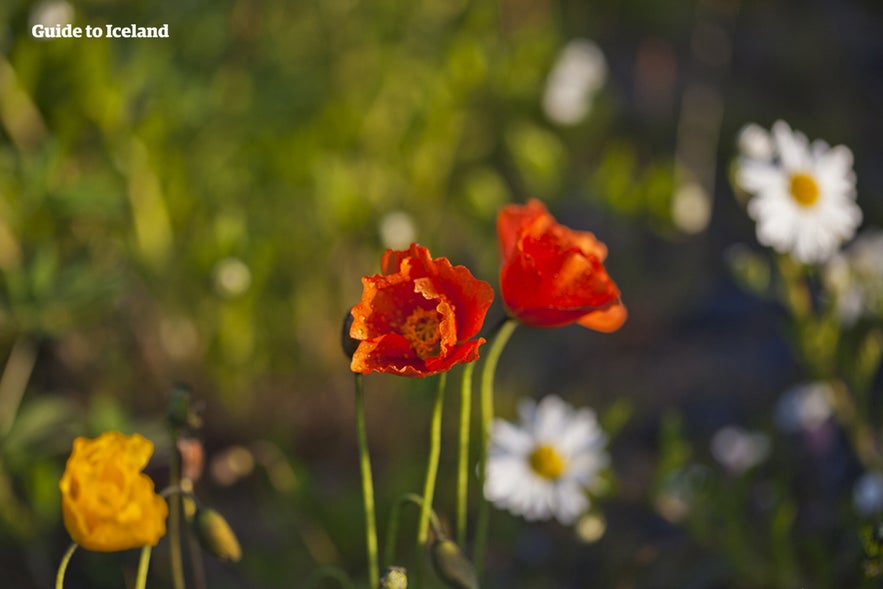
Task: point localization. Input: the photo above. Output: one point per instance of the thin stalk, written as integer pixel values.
(488, 372)
(367, 488)
(861, 435)
(431, 474)
(463, 461)
(196, 564)
(143, 566)
(176, 557)
(62, 566)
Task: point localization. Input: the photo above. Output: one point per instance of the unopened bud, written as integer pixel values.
(183, 413)
(394, 578)
(452, 566)
(216, 536)
(348, 343)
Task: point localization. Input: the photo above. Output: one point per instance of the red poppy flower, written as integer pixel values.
(552, 275)
(417, 317)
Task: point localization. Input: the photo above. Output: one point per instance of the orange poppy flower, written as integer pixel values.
(552, 275)
(418, 316)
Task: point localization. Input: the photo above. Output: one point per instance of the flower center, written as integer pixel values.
(804, 189)
(546, 462)
(421, 329)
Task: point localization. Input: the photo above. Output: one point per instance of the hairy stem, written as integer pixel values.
(367, 488)
(431, 474)
(143, 566)
(463, 459)
(62, 566)
(488, 373)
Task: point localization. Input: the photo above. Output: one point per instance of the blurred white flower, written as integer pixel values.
(867, 494)
(232, 277)
(804, 407)
(397, 230)
(803, 198)
(855, 278)
(51, 13)
(543, 467)
(737, 449)
(755, 142)
(578, 73)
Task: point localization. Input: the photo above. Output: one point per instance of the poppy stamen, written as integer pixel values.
(421, 329)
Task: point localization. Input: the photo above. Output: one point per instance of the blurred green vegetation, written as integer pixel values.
(200, 208)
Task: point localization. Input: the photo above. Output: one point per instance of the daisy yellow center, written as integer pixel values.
(804, 189)
(421, 330)
(547, 462)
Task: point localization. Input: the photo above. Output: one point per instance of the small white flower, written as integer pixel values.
(805, 406)
(756, 142)
(51, 13)
(803, 197)
(579, 72)
(867, 494)
(543, 467)
(738, 450)
(855, 278)
(397, 230)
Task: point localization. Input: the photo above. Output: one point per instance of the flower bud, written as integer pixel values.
(452, 566)
(394, 578)
(183, 413)
(216, 536)
(348, 344)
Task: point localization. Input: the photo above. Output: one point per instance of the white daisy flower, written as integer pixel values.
(805, 406)
(755, 142)
(804, 197)
(855, 278)
(738, 449)
(578, 74)
(543, 467)
(867, 494)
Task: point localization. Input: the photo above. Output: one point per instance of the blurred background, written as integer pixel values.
(201, 209)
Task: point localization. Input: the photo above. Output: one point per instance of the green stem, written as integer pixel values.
(463, 462)
(62, 566)
(487, 421)
(367, 488)
(143, 566)
(431, 474)
(176, 558)
(861, 435)
(797, 295)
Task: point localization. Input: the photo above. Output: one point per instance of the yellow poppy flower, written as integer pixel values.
(107, 502)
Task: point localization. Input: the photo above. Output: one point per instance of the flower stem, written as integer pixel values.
(143, 566)
(463, 459)
(176, 558)
(860, 434)
(367, 488)
(431, 473)
(62, 566)
(488, 372)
